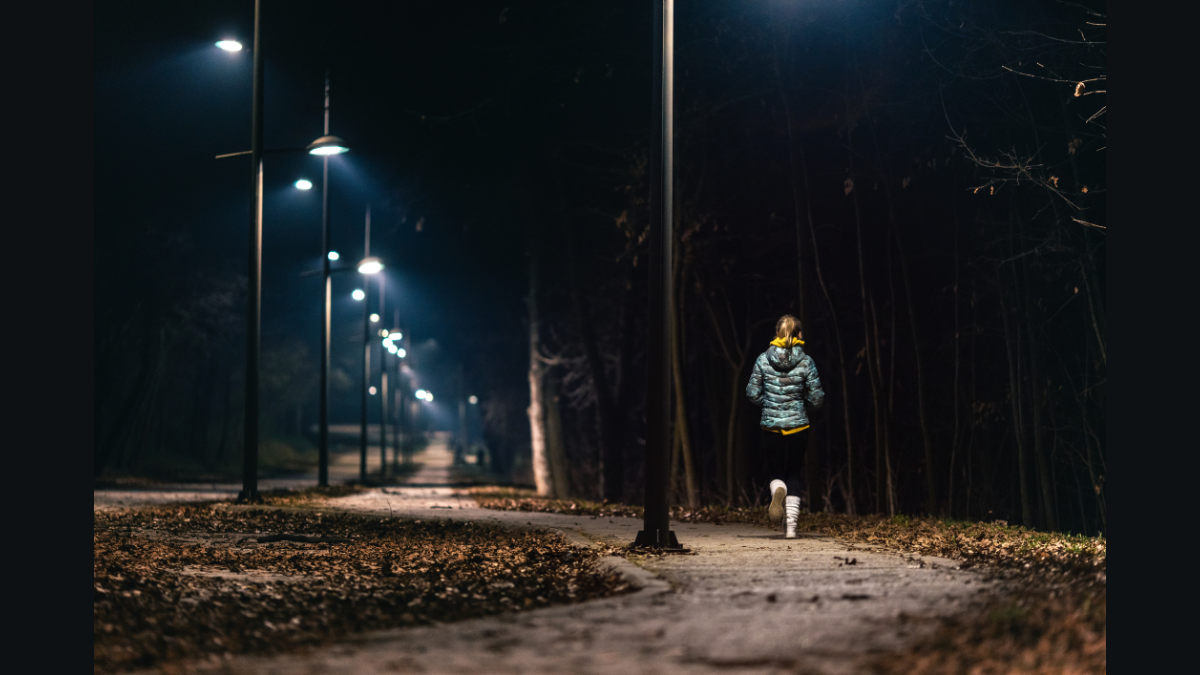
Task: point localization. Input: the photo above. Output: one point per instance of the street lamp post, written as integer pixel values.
(249, 491)
(656, 532)
(368, 266)
(326, 145)
(383, 390)
(323, 433)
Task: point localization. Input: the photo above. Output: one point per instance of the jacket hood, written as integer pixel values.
(783, 359)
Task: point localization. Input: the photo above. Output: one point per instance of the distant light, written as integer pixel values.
(428, 397)
(401, 352)
(421, 394)
(372, 391)
(392, 349)
(473, 400)
(374, 318)
(333, 255)
(358, 294)
(230, 45)
(303, 184)
(328, 145)
(383, 332)
(370, 265)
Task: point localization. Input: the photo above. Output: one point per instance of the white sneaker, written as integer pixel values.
(793, 515)
(778, 492)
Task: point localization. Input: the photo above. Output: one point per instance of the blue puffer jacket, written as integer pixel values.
(783, 380)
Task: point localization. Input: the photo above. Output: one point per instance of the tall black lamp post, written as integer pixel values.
(656, 532)
(249, 491)
(368, 266)
(326, 145)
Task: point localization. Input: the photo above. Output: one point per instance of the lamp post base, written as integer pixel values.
(664, 539)
(252, 497)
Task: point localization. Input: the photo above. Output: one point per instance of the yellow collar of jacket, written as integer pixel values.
(782, 342)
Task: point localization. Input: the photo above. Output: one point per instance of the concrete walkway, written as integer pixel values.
(745, 600)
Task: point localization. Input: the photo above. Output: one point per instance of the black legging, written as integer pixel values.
(783, 458)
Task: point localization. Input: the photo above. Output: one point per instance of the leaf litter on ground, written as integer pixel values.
(1052, 617)
(181, 582)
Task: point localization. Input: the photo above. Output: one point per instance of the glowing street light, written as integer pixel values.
(401, 352)
(358, 294)
(473, 400)
(303, 184)
(333, 255)
(372, 391)
(230, 45)
(328, 145)
(370, 265)
(374, 318)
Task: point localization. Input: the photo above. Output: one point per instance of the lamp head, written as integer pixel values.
(328, 145)
(370, 265)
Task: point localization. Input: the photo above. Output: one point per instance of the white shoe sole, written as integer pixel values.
(775, 512)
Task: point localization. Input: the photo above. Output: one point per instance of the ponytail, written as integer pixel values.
(786, 329)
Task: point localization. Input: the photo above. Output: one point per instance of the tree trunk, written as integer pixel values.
(957, 362)
(1015, 397)
(556, 452)
(542, 477)
(1037, 401)
(737, 363)
(681, 421)
(612, 466)
(625, 382)
(851, 507)
(930, 471)
(884, 442)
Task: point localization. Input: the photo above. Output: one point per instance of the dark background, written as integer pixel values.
(966, 298)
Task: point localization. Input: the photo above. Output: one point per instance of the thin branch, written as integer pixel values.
(1084, 222)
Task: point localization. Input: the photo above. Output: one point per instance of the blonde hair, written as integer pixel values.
(786, 328)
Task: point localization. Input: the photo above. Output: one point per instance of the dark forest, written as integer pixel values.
(923, 184)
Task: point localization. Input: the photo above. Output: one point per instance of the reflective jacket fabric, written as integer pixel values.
(784, 379)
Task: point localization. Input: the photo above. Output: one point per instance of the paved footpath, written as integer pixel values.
(745, 600)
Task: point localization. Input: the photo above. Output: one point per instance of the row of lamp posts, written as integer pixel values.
(325, 146)
(656, 532)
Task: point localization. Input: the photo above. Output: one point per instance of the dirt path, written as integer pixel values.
(745, 600)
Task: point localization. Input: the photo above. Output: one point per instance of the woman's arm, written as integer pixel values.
(754, 389)
(815, 395)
